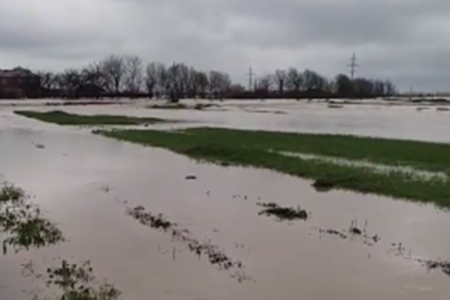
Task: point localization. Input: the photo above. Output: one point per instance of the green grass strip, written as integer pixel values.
(64, 118)
(423, 155)
(221, 147)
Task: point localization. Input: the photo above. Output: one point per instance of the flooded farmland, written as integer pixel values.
(158, 225)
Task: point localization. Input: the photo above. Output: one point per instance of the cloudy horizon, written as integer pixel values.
(405, 41)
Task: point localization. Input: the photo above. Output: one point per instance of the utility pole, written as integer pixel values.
(353, 66)
(250, 78)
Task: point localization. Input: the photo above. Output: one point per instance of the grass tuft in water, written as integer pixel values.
(64, 118)
(77, 282)
(323, 184)
(443, 266)
(22, 224)
(283, 213)
(214, 254)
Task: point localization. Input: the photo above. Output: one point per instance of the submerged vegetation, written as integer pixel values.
(443, 266)
(214, 254)
(75, 282)
(22, 226)
(64, 118)
(263, 149)
(283, 213)
(21, 223)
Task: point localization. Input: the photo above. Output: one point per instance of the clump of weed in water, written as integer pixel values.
(353, 232)
(23, 223)
(146, 218)
(354, 228)
(443, 266)
(77, 282)
(283, 213)
(334, 232)
(323, 185)
(213, 253)
(11, 194)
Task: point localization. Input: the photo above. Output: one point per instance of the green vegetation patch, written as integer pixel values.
(22, 224)
(283, 213)
(424, 155)
(255, 148)
(73, 281)
(64, 118)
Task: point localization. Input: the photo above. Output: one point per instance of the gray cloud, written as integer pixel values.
(405, 40)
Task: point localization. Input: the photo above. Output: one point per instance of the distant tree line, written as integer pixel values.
(129, 76)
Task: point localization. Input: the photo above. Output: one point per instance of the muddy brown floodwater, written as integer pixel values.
(86, 183)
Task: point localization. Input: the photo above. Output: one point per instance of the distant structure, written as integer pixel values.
(353, 66)
(19, 83)
(250, 75)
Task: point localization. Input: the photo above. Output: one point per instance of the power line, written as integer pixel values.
(250, 78)
(353, 66)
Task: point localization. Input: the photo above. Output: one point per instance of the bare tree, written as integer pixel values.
(280, 78)
(294, 81)
(113, 68)
(115, 74)
(219, 84)
(344, 86)
(184, 79)
(93, 81)
(151, 77)
(173, 82)
(162, 82)
(93, 75)
(313, 81)
(191, 90)
(389, 88)
(132, 79)
(201, 83)
(265, 83)
(70, 81)
(379, 88)
(48, 79)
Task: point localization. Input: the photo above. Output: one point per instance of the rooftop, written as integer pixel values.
(16, 72)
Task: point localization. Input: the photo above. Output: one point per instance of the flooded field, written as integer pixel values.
(158, 225)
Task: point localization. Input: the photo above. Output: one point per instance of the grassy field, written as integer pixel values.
(252, 148)
(423, 155)
(64, 118)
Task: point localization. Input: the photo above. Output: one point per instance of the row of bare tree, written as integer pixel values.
(129, 76)
(308, 84)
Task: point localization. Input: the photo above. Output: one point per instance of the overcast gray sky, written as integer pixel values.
(407, 41)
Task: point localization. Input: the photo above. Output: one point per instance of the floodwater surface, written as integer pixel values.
(86, 183)
(400, 121)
